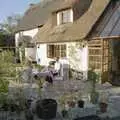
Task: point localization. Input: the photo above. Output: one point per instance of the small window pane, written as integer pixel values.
(65, 16)
(56, 51)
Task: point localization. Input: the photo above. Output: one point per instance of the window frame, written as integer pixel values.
(64, 16)
(56, 50)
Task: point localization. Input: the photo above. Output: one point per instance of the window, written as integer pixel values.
(56, 50)
(50, 51)
(64, 17)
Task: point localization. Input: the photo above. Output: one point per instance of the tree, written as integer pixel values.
(2, 37)
(10, 24)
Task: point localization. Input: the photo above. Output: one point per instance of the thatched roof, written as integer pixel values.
(38, 14)
(72, 31)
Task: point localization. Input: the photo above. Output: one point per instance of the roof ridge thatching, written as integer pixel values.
(38, 14)
(76, 30)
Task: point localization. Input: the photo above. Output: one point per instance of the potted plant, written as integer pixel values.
(68, 101)
(81, 103)
(62, 104)
(46, 108)
(17, 101)
(39, 82)
(103, 107)
(93, 77)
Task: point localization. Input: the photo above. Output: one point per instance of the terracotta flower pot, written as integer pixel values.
(103, 107)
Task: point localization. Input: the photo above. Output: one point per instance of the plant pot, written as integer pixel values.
(46, 109)
(71, 104)
(103, 107)
(81, 104)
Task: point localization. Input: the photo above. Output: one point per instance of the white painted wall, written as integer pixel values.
(31, 51)
(30, 33)
(16, 39)
(41, 54)
(79, 57)
(84, 61)
(80, 62)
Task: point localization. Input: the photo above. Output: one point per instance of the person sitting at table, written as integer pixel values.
(57, 67)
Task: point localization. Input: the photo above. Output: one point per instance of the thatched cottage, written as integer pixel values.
(83, 33)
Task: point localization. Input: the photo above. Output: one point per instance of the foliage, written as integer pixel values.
(17, 99)
(94, 97)
(22, 54)
(3, 85)
(2, 37)
(7, 66)
(6, 40)
(39, 81)
(14, 101)
(75, 56)
(9, 25)
(24, 41)
(3, 99)
(93, 77)
(7, 70)
(69, 97)
(39, 67)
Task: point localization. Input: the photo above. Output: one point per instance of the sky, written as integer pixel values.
(11, 7)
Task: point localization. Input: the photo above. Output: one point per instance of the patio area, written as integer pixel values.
(61, 90)
(65, 90)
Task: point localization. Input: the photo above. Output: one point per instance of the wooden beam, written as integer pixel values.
(107, 37)
(9, 47)
(94, 48)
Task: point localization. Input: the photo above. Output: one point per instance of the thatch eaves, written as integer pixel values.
(37, 15)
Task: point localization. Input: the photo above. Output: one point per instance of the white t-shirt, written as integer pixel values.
(57, 66)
